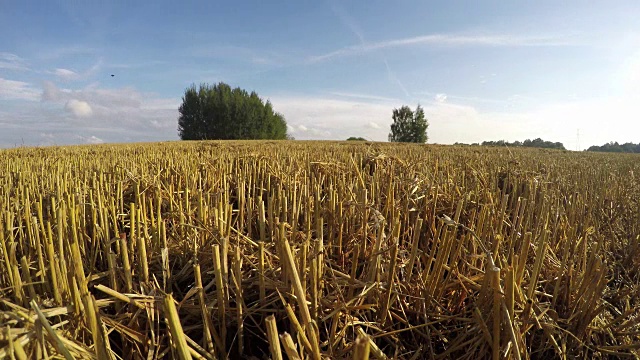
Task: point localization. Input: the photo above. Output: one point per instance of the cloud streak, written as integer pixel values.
(444, 40)
(71, 75)
(10, 61)
(348, 95)
(350, 23)
(66, 74)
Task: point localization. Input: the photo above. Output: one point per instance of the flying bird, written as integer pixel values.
(112, 75)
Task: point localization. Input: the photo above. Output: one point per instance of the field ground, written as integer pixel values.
(318, 249)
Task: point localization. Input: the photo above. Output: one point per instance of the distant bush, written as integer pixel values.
(353, 138)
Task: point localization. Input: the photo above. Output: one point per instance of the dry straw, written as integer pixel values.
(299, 250)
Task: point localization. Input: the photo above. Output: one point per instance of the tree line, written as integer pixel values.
(535, 143)
(628, 147)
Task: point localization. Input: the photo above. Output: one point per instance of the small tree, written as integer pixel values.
(409, 126)
(219, 112)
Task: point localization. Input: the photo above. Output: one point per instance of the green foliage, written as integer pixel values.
(536, 143)
(353, 138)
(219, 112)
(615, 147)
(409, 126)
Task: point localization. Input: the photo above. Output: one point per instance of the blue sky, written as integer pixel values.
(482, 70)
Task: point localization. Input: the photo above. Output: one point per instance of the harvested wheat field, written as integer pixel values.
(318, 250)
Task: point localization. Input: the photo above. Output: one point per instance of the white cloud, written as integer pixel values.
(17, 90)
(94, 140)
(599, 120)
(448, 40)
(66, 74)
(441, 98)
(89, 139)
(290, 129)
(320, 132)
(373, 125)
(78, 108)
(117, 115)
(326, 118)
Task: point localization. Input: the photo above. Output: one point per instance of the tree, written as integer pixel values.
(353, 138)
(627, 147)
(219, 112)
(409, 126)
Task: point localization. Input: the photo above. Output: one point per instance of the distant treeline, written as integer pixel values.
(536, 143)
(615, 147)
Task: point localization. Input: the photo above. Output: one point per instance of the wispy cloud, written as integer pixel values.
(447, 40)
(441, 98)
(90, 139)
(347, 20)
(341, 94)
(135, 65)
(71, 75)
(373, 125)
(394, 78)
(10, 61)
(66, 74)
(17, 90)
(241, 54)
(53, 52)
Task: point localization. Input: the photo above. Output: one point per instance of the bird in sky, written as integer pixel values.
(112, 75)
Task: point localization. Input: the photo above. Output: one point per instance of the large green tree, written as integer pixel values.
(408, 125)
(219, 112)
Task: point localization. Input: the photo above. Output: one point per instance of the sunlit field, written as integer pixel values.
(310, 250)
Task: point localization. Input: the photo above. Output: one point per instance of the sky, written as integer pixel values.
(565, 71)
